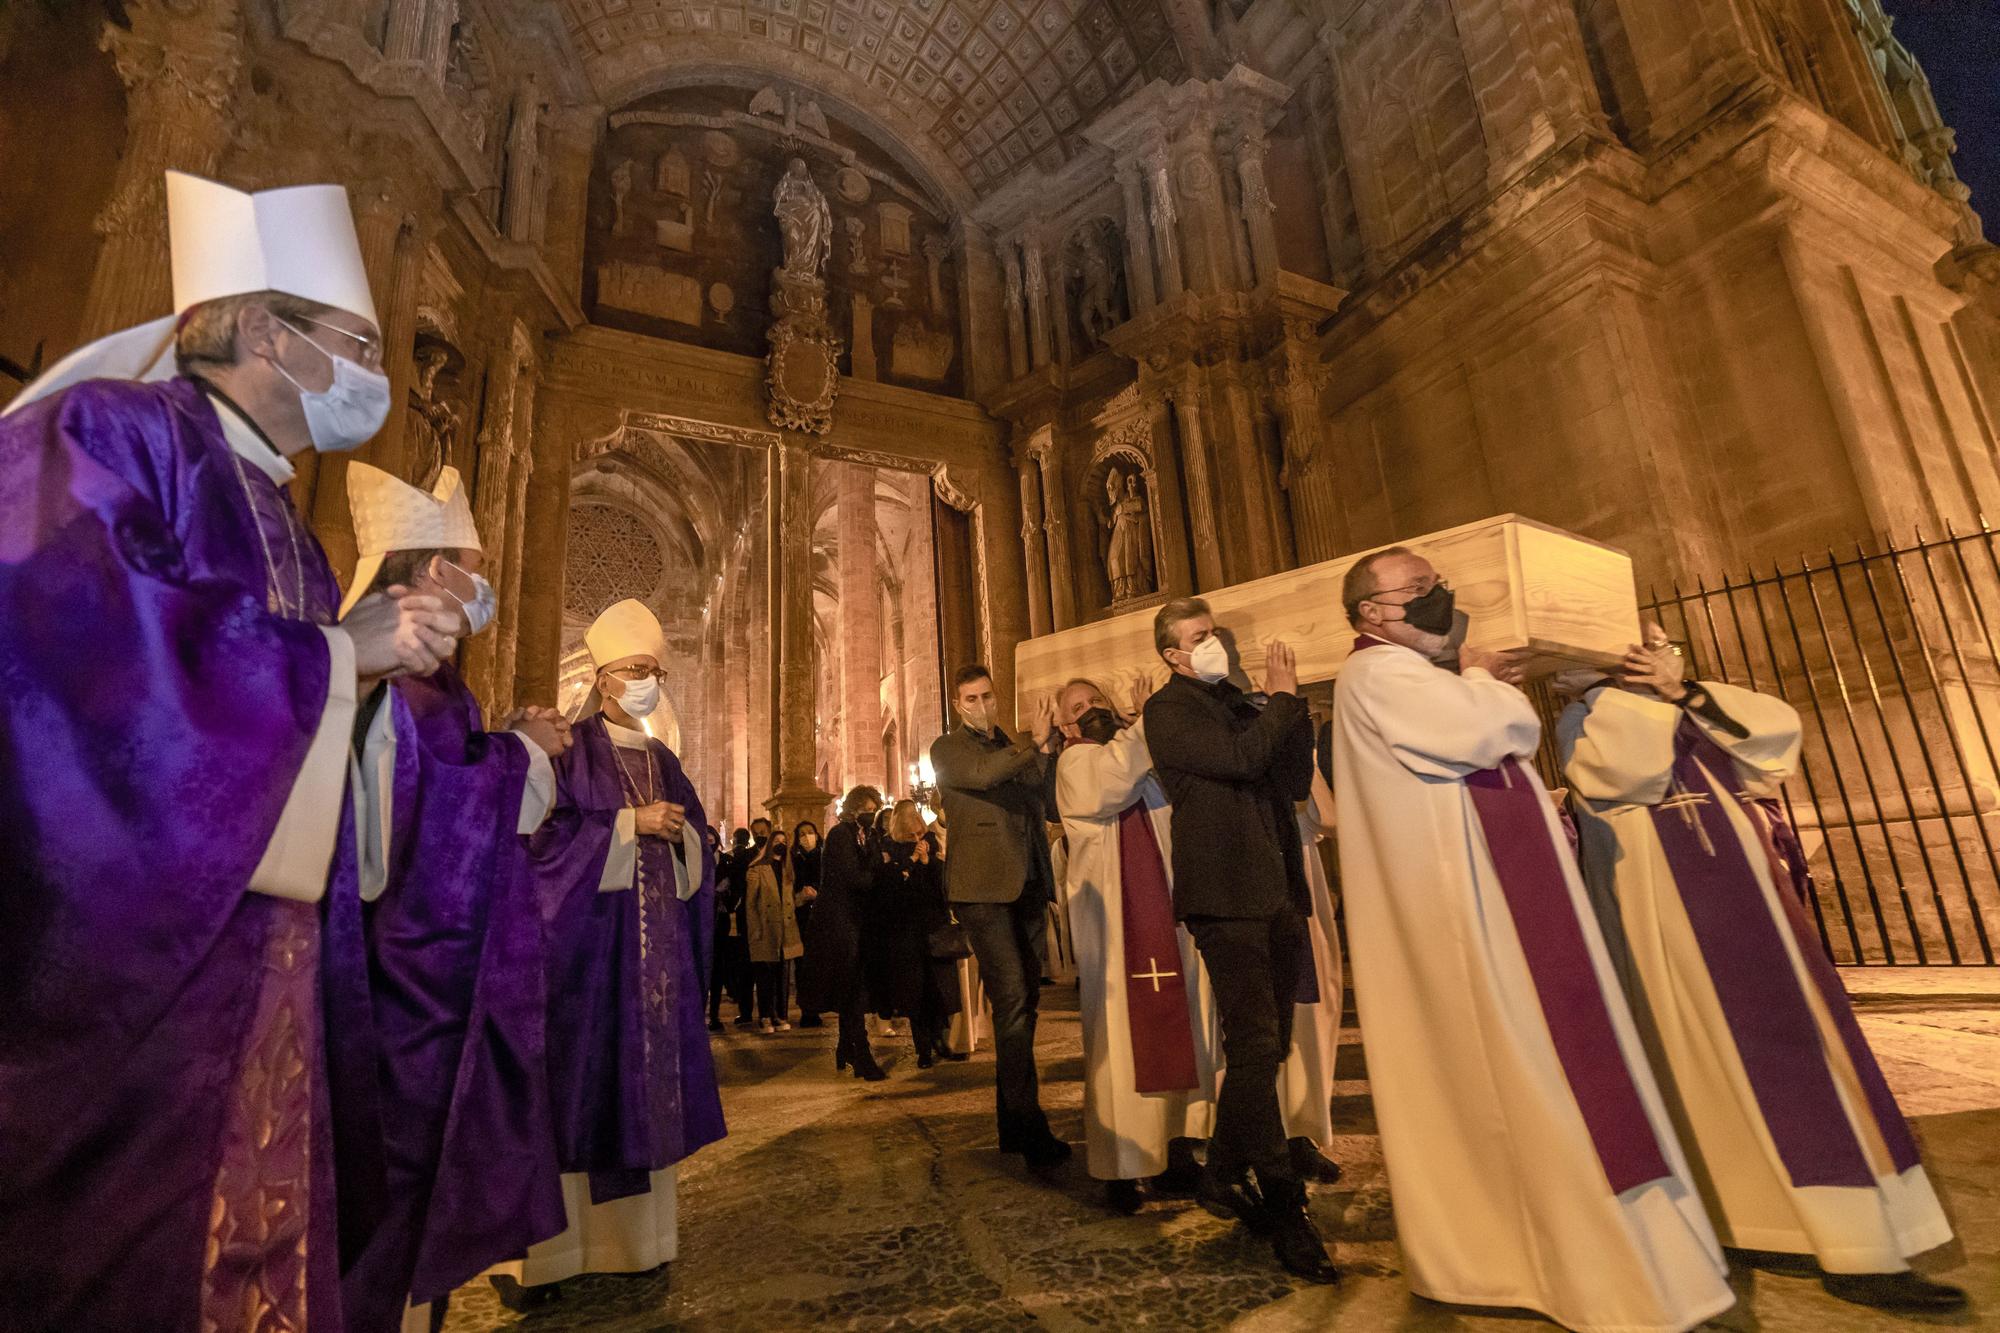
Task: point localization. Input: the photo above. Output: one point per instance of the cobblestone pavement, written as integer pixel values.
(836, 1204)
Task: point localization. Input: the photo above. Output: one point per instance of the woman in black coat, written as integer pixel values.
(832, 977)
(806, 853)
(909, 905)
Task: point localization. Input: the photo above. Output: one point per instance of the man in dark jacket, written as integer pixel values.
(1232, 770)
(1000, 884)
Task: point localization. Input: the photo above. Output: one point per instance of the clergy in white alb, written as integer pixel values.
(1150, 1041)
(1795, 1138)
(1531, 1162)
(1305, 1079)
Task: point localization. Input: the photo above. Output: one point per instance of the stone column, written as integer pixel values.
(983, 311)
(1186, 397)
(1036, 278)
(500, 440)
(761, 668)
(1033, 549)
(860, 626)
(1258, 206)
(1166, 492)
(1165, 220)
(789, 527)
(509, 585)
(179, 64)
(1139, 277)
(1017, 329)
(1055, 504)
(546, 547)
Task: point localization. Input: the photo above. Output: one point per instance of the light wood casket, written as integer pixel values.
(1567, 600)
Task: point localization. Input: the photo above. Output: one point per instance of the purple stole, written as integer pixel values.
(1774, 1029)
(1156, 997)
(1513, 816)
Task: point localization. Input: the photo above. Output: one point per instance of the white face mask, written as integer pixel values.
(977, 716)
(347, 413)
(485, 603)
(1210, 659)
(641, 697)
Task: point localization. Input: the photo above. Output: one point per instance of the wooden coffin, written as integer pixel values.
(1567, 600)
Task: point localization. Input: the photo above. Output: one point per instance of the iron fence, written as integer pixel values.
(1889, 655)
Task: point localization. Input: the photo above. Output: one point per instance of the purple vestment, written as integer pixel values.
(164, 1146)
(463, 1177)
(630, 1072)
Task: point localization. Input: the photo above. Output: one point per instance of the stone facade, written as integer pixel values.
(1302, 275)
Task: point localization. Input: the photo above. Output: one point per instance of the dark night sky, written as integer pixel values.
(1958, 44)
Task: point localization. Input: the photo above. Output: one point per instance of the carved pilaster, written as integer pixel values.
(1017, 329)
(1166, 237)
(1055, 503)
(180, 64)
(1258, 206)
(1186, 396)
(1037, 287)
(1139, 277)
(1034, 552)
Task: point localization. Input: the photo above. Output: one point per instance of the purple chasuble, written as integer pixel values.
(456, 1009)
(1512, 810)
(1773, 1026)
(164, 1149)
(630, 1071)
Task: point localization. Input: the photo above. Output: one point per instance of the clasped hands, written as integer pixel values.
(546, 727)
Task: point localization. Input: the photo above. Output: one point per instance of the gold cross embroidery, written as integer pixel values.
(1155, 976)
(1689, 803)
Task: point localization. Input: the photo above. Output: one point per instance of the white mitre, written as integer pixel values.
(299, 240)
(625, 629)
(392, 515)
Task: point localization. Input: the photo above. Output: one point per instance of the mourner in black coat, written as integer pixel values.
(907, 908)
(831, 978)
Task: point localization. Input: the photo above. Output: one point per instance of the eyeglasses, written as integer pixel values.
(636, 673)
(1673, 646)
(1419, 588)
(370, 347)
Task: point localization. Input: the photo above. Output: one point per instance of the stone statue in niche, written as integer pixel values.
(621, 189)
(804, 221)
(1128, 564)
(1099, 300)
(434, 420)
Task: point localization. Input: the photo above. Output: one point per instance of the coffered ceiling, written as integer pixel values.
(994, 84)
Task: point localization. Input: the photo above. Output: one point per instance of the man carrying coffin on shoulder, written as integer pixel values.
(174, 738)
(1531, 1161)
(1797, 1141)
(1149, 1028)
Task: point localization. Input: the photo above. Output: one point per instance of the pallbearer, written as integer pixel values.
(1797, 1142)
(453, 1172)
(174, 732)
(626, 880)
(1530, 1160)
(1150, 1039)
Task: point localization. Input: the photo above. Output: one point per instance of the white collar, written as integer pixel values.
(625, 736)
(249, 446)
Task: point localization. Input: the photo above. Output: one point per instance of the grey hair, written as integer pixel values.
(207, 332)
(1359, 583)
(1167, 621)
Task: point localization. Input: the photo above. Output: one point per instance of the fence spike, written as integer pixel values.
(1950, 534)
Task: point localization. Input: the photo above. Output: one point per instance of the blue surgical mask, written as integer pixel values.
(479, 612)
(346, 414)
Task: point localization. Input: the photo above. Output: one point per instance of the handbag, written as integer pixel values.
(949, 942)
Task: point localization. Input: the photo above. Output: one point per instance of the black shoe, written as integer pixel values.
(522, 1299)
(810, 1021)
(1310, 1163)
(1045, 1152)
(1906, 1292)
(715, 1025)
(1233, 1197)
(866, 1068)
(745, 1021)
(947, 1053)
(1122, 1196)
(1296, 1242)
(925, 1061)
(1180, 1180)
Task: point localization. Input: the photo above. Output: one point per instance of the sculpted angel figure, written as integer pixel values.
(804, 220)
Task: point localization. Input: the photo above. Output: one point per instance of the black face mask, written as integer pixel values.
(865, 820)
(1431, 613)
(1099, 724)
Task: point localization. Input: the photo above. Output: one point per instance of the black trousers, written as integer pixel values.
(768, 979)
(1253, 970)
(1010, 941)
(732, 976)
